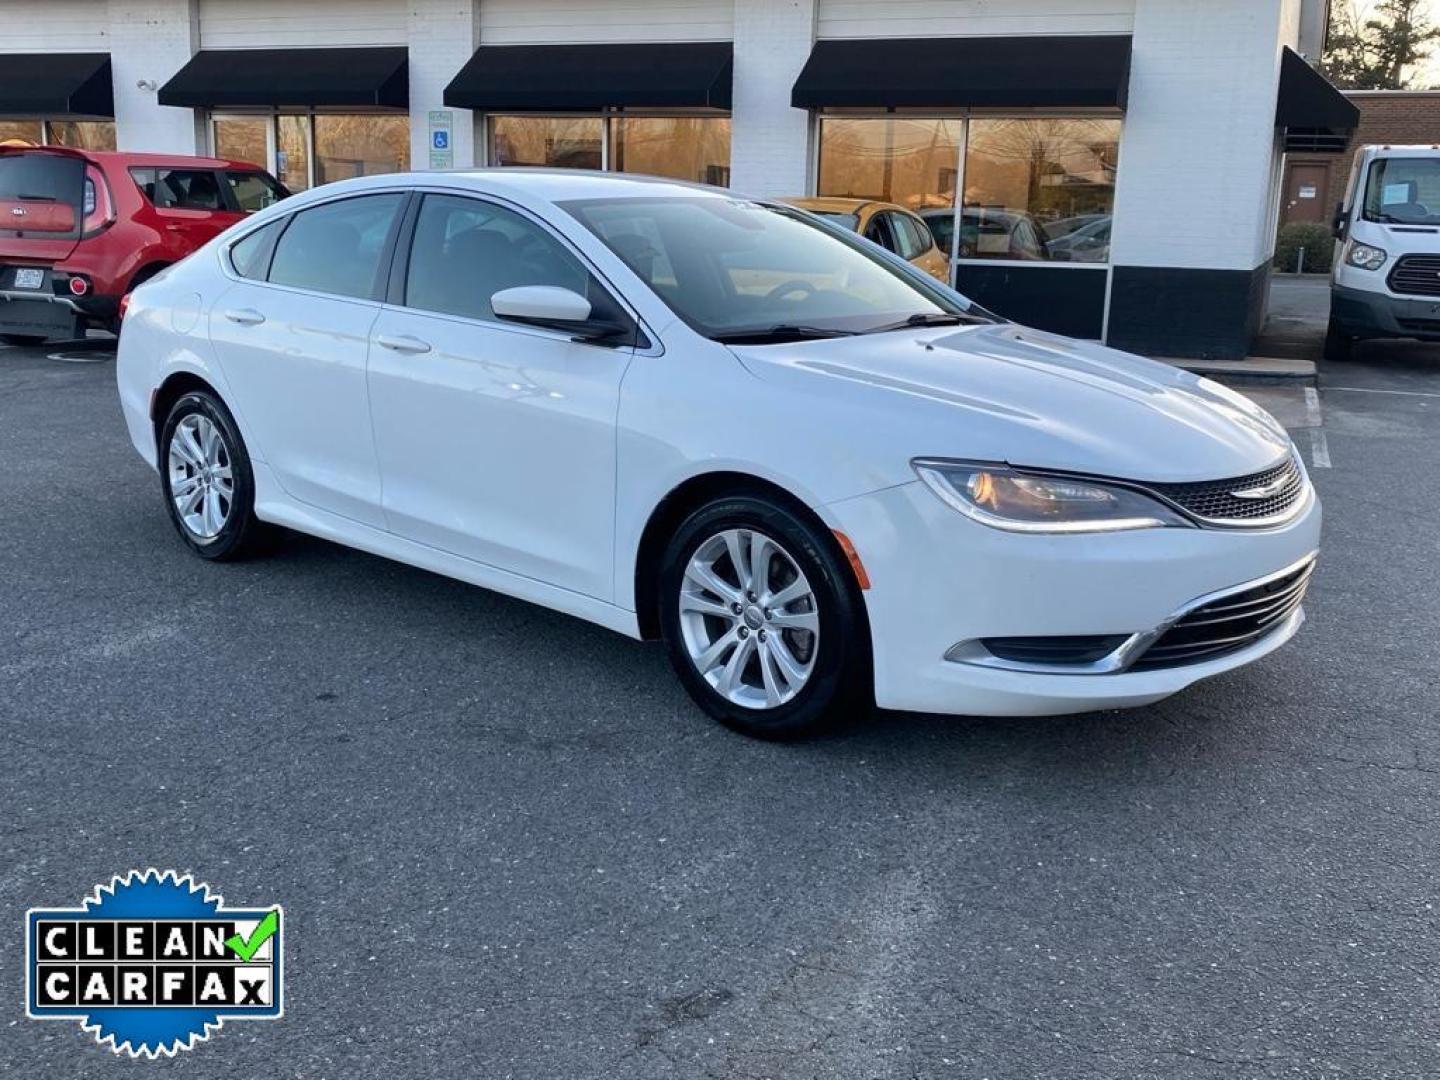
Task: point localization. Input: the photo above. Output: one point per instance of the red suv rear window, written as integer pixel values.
(41, 194)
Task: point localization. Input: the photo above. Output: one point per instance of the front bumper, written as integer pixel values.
(1366, 314)
(939, 580)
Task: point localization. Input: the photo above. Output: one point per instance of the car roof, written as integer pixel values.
(838, 204)
(125, 158)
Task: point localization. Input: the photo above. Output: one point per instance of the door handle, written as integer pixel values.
(403, 343)
(173, 228)
(245, 316)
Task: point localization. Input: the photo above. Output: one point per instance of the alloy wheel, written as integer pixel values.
(202, 485)
(749, 619)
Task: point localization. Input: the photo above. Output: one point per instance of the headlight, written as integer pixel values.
(1366, 257)
(1006, 498)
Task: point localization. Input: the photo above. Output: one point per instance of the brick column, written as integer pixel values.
(150, 40)
(443, 35)
(770, 141)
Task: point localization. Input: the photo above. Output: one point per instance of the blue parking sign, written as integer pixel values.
(440, 140)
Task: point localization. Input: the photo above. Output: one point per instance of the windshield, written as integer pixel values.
(1404, 191)
(735, 269)
(839, 217)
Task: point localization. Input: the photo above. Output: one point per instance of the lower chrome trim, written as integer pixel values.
(1119, 661)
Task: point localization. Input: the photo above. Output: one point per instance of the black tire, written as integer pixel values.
(23, 340)
(241, 531)
(839, 681)
(1339, 344)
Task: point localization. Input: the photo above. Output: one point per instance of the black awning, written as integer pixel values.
(524, 78)
(298, 78)
(1018, 72)
(56, 84)
(1317, 118)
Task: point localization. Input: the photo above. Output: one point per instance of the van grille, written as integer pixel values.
(1228, 624)
(1416, 275)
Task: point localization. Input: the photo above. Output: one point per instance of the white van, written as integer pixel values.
(1386, 278)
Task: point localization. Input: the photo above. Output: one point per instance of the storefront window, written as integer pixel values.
(680, 147)
(20, 132)
(243, 138)
(557, 141)
(1040, 189)
(349, 146)
(292, 152)
(82, 134)
(911, 162)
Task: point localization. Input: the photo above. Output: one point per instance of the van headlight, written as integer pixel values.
(1366, 257)
(1033, 502)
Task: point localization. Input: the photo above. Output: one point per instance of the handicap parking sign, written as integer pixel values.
(440, 140)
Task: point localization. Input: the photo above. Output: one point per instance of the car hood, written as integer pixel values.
(1001, 392)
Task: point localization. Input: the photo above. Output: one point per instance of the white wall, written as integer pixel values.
(58, 26)
(966, 18)
(528, 22)
(1197, 154)
(770, 141)
(288, 24)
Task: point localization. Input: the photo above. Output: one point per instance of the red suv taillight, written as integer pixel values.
(99, 208)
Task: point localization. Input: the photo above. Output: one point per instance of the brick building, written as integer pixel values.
(1315, 183)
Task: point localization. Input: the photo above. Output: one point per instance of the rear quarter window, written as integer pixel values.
(250, 256)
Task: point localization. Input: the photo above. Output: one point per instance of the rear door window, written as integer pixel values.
(181, 189)
(41, 194)
(254, 190)
(338, 247)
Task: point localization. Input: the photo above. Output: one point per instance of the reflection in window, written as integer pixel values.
(911, 162)
(557, 141)
(1040, 189)
(242, 139)
(350, 146)
(679, 147)
(292, 152)
(20, 132)
(82, 134)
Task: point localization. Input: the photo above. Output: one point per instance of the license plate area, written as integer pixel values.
(27, 277)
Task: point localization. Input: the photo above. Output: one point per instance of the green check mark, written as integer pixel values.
(261, 934)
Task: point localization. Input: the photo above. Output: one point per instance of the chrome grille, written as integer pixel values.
(1229, 623)
(1216, 501)
(1416, 275)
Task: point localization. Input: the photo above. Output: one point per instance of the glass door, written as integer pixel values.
(243, 138)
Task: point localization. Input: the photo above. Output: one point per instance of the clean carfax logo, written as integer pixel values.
(153, 962)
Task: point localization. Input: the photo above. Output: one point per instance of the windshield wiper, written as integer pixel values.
(932, 318)
(769, 335)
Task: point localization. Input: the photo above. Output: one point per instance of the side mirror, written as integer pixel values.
(541, 305)
(558, 309)
(1337, 225)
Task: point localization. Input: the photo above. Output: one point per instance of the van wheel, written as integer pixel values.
(22, 339)
(762, 619)
(206, 479)
(1339, 344)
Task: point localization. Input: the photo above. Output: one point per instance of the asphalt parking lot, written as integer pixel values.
(508, 846)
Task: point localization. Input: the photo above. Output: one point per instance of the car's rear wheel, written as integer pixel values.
(762, 619)
(1339, 344)
(206, 478)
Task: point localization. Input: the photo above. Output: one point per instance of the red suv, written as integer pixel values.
(79, 229)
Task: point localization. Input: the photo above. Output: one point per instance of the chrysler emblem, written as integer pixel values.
(1264, 491)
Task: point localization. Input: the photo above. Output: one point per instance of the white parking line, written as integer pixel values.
(1373, 390)
(1319, 447)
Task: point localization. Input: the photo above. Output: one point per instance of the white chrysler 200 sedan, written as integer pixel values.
(820, 477)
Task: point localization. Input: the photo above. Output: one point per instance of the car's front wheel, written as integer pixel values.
(762, 619)
(206, 479)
